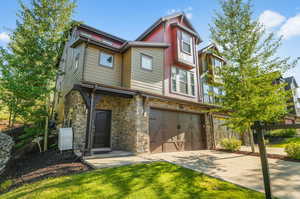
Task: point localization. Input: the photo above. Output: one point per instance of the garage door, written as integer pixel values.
(172, 131)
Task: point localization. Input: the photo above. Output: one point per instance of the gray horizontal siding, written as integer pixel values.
(149, 81)
(93, 72)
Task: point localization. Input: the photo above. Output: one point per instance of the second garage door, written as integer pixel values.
(172, 131)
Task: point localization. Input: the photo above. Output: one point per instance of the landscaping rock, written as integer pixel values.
(6, 144)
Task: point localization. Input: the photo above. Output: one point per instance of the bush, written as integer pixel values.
(282, 133)
(293, 150)
(231, 144)
(4, 186)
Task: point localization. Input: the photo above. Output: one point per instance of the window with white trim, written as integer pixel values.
(186, 43)
(106, 59)
(182, 81)
(146, 62)
(217, 63)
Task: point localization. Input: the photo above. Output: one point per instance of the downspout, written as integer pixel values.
(84, 59)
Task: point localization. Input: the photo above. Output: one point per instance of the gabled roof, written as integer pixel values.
(120, 49)
(166, 18)
(207, 48)
(291, 80)
(210, 46)
(100, 32)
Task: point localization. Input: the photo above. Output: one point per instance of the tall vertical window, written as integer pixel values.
(76, 63)
(183, 81)
(186, 43)
(106, 59)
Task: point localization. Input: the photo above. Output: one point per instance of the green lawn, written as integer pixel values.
(285, 142)
(140, 181)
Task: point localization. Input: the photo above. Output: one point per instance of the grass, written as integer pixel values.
(140, 181)
(285, 142)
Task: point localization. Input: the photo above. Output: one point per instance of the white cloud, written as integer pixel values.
(4, 37)
(187, 11)
(291, 27)
(271, 19)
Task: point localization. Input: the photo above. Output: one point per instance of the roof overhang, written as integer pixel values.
(81, 39)
(129, 93)
(188, 30)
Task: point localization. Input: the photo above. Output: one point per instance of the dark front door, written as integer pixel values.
(101, 137)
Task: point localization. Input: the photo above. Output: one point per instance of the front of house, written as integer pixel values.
(144, 96)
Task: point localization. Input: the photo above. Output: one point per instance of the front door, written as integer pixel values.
(101, 137)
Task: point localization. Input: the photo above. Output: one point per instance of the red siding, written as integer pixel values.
(157, 35)
(95, 36)
(169, 35)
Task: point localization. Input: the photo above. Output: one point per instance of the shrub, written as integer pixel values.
(4, 186)
(231, 144)
(283, 133)
(293, 150)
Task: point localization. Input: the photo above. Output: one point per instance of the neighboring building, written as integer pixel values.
(294, 102)
(211, 85)
(141, 96)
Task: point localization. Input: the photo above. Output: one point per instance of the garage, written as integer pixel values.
(172, 131)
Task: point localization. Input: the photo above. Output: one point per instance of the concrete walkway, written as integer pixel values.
(270, 150)
(236, 168)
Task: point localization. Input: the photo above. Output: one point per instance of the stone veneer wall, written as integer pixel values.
(130, 120)
(123, 124)
(76, 117)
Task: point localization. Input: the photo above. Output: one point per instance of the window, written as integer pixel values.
(183, 81)
(186, 41)
(146, 62)
(106, 60)
(211, 94)
(76, 62)
(217, 63)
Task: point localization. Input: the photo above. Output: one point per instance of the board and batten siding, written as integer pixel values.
(94, 72)
(146, 80)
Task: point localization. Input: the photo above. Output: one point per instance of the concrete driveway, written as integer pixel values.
(239, 169)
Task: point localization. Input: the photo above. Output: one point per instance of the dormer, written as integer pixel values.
(210, 63)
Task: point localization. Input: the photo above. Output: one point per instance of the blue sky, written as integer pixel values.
(129, 18)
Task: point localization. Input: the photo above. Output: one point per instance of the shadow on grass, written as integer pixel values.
(139, 181)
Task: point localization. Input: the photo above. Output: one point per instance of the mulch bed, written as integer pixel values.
(272, 156)
(37, 166)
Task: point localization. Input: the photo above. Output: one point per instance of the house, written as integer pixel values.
(211, 86)
(143, 96)
(294, 102)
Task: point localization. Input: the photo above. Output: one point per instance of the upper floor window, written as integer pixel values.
(146, 62)
(183, 81)
(106, 59)
(186, 43)
(76, 64)
(217, 63)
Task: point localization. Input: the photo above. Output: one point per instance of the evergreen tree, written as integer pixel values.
(250, 76)
(31, 61)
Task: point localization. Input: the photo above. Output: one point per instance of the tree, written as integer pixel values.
(249, 77)
(34, 52)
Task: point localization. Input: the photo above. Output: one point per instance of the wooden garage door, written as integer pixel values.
(172, 131)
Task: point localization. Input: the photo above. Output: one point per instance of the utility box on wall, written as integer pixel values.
(65, 139)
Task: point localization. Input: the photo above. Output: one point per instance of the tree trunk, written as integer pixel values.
(9, 119)
(46, 134)
(251, 140)
(46, 123)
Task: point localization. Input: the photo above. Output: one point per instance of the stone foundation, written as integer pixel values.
(130, 120)
(76, 117)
